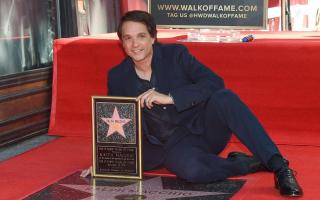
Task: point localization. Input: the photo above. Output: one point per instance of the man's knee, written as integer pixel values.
(198, 172)
(223, 96)
(192, 174)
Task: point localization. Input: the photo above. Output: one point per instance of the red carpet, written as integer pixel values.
(38, 168)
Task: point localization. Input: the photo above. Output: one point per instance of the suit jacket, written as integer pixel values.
(177, 72)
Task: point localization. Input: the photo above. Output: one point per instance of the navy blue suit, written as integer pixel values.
(207, 111)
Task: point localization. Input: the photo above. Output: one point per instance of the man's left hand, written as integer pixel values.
(151, 97)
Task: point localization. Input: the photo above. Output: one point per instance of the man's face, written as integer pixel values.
(136, 41)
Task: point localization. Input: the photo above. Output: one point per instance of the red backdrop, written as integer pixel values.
(278, 78)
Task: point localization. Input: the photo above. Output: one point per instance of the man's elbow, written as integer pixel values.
(220, 83)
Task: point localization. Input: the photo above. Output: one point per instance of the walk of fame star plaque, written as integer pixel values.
(116, 127)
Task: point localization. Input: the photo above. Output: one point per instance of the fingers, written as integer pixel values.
(146, 98)
(149, 101)
(151, 97)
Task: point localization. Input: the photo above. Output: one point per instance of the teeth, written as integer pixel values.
(136, 51)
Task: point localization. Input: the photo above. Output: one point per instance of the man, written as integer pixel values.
(188, 115)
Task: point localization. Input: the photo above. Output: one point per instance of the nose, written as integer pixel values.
(135, 42)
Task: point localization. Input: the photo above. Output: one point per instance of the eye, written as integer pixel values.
(142, 35)
(126, 38)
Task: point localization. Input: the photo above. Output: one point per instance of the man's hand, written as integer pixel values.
(151, 97)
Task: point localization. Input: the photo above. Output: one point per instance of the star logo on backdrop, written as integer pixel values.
(148, 189)
(116, 123)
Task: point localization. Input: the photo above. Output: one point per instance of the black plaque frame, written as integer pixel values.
(117, 152)
(222, 14)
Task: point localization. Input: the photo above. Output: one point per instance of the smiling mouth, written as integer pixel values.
(137, 51)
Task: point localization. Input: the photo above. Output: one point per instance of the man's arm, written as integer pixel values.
(111, 84)
(203, 82)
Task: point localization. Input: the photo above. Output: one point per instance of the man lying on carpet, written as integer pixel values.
(188, 115)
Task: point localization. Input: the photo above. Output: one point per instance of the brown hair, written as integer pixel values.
(139, 16)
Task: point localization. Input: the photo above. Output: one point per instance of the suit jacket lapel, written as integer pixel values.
(159, 70)
(131, 81)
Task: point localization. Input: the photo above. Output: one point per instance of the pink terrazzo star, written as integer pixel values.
(115, 123)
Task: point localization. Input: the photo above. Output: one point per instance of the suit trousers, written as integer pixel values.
(194, 157)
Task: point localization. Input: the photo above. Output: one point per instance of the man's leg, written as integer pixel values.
(153, 155)
(235, 115)
(191, 160)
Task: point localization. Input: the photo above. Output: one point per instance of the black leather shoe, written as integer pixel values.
(287, 183)
(254, 164)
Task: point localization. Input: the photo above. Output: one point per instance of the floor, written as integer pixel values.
(151, 187)
(8, 152)
(53, 172)
(154, 188)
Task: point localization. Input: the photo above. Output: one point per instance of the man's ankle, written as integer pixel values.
(277, 162)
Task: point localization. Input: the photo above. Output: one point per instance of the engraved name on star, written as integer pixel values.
(150, 189)
(116, 123)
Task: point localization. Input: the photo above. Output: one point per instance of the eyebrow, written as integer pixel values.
(140, 33)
